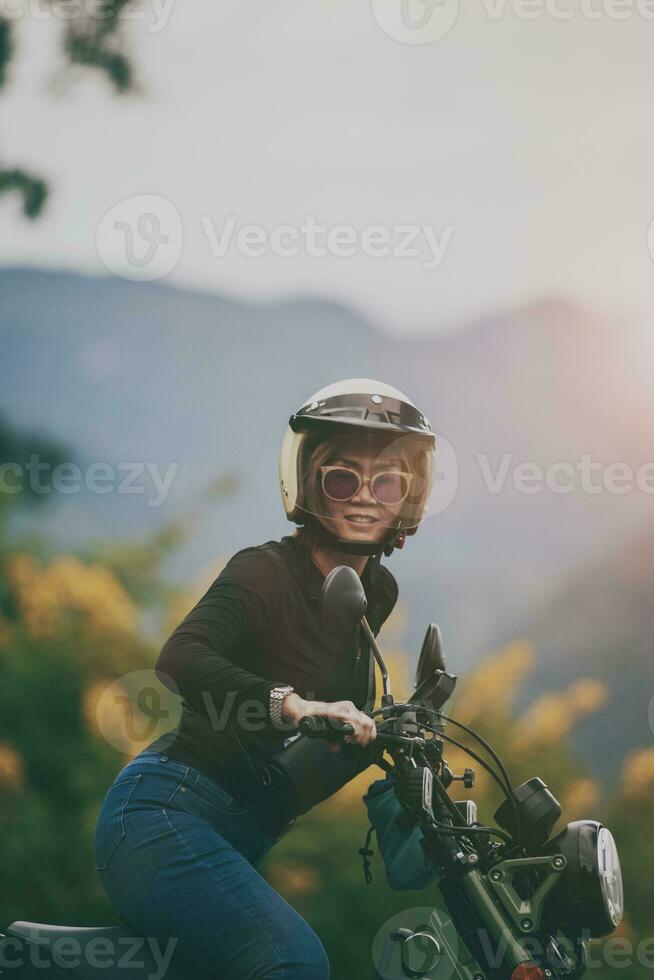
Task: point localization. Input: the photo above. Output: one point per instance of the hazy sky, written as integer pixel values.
(525, 146)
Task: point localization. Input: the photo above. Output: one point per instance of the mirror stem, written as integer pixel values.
(387, 697)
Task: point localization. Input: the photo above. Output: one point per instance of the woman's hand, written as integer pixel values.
(294, 708)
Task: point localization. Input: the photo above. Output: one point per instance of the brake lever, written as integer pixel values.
(390, 738)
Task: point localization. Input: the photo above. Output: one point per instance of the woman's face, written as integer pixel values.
(362, 517)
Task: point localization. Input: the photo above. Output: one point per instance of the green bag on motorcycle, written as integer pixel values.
(399, 837)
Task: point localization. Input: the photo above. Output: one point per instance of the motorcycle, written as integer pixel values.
(523, 906)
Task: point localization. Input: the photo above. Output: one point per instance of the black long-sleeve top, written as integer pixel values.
(257, 627)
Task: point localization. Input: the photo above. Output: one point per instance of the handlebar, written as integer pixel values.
(315, 726)
(333, 730)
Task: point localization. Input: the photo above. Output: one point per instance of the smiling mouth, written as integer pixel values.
(360, 519)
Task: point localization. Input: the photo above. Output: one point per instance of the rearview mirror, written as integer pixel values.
(433, 685)
(431, 655)
(343, 602)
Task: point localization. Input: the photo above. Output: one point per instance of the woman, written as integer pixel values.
(186, 823)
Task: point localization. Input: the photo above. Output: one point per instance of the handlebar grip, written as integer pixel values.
(315, 726)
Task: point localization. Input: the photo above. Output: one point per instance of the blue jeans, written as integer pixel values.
(177, 856)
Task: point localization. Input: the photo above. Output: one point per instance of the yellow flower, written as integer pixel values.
(12, 770)
(638, 774)
(294, 878)
(104, 716)
(555, 714)
(587, 695)
(579, 798)
(129, 712)
(493, 685)
(45, 595)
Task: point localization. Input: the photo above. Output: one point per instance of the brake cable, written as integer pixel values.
(470, 752)
(471, 731)
(507, 788)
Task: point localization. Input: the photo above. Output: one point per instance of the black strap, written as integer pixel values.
(366, 853)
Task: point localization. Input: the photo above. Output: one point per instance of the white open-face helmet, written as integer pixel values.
(338, 427)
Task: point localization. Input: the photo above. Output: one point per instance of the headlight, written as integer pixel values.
(610, 875)
(589, 894)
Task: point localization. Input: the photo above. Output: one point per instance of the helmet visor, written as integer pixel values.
(360, 484)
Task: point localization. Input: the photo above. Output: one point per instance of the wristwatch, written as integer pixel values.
(277, 695)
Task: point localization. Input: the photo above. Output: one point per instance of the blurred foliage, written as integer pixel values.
(92, 38)
(18, 449)
(95, 41)
(5, 49)
(68, 626)
(32, 189)
(70, 633)
(138, 566)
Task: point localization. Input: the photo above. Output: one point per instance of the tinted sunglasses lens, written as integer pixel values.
(340, 484)
(390, 488)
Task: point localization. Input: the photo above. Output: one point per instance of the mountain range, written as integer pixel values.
(130, 373)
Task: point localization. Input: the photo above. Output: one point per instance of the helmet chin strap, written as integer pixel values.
(386, 546)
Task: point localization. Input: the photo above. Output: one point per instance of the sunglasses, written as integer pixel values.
(388, 487)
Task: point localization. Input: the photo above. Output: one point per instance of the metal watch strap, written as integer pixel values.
(277, 696)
